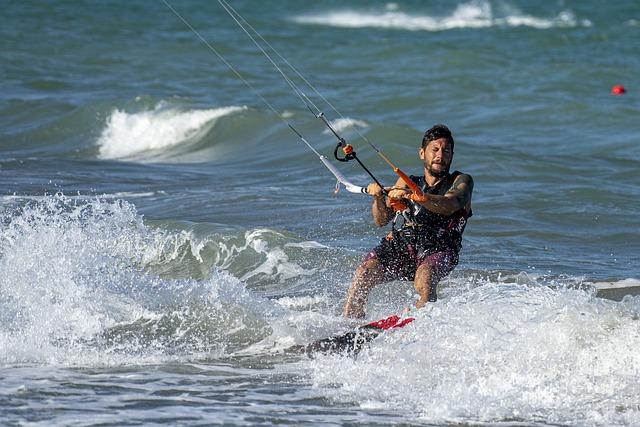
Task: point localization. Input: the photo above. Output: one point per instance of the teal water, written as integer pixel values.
(164, 232)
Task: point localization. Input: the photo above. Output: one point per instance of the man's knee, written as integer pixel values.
(370, 269)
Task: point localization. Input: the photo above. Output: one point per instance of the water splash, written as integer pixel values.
(501, 352)
(76, 286)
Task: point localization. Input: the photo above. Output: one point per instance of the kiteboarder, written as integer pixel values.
(425, 248)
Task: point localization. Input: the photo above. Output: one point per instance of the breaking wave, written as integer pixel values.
(147, 132)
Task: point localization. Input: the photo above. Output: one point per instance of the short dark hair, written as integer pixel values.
(437, 132)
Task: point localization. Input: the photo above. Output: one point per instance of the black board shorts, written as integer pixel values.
(400, 259)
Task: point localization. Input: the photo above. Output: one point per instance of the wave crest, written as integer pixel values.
(133, 134)
(472, 14)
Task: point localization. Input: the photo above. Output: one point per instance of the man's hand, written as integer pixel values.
(398, 193)
(374, 190)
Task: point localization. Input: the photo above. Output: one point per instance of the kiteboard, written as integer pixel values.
(353, 341)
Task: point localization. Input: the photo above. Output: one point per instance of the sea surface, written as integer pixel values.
(166, 232)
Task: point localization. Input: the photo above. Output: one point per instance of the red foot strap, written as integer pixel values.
(391, 322)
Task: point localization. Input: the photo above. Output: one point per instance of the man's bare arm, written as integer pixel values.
(458, 197)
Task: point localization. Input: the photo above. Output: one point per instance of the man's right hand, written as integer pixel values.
(374, 190)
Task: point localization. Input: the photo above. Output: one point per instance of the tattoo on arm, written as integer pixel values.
(462, 189)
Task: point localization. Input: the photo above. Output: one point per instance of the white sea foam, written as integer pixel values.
(75, 287)
(473, 14)
(274, 260)
(131, 134)
(500, 352)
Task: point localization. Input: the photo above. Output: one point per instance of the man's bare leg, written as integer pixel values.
(423, 282)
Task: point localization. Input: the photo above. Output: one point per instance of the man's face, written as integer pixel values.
(437, 156)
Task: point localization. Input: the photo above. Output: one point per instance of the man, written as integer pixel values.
(425, 248)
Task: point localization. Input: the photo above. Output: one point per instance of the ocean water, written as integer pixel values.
(165, 234)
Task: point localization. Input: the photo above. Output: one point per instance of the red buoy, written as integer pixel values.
(618, 90)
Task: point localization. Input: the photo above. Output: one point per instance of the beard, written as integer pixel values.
(438, 173)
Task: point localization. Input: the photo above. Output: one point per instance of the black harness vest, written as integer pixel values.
(430, 232)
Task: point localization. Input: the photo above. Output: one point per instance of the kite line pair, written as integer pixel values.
(349, 153)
